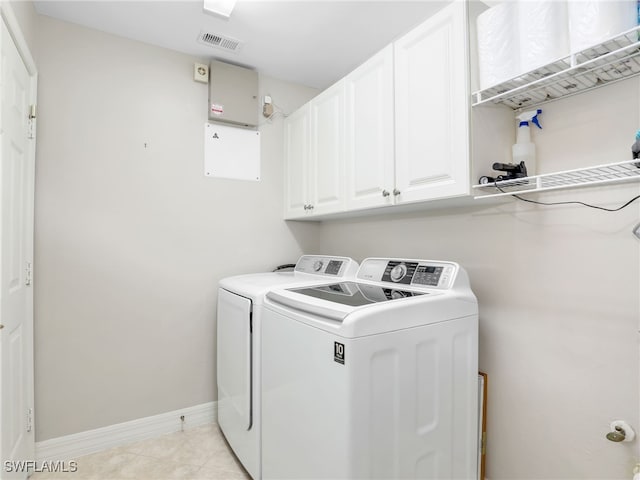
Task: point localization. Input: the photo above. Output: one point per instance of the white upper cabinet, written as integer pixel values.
(296, 154)
(327, 174)
(314, 156)
(393, 131)
(432, 108)
(369, 133)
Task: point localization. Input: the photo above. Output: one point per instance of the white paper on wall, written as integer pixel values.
(231, 152)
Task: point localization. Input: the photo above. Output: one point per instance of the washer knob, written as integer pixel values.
(317, 265)
(398, 272)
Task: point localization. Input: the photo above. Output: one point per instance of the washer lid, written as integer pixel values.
(385, 296)
(337, 300)
(355, 294)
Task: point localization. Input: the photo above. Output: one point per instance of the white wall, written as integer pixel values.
(132, 240)
(559, 297)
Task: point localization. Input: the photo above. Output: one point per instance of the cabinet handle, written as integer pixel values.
(385, 193)
(396, 192)
(306, 207)
(310, 207)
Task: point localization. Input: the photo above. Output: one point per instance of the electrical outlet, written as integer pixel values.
(201, 72)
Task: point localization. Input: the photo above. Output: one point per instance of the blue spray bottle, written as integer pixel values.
(524, 150)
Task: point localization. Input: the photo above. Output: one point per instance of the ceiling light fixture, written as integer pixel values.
(219, 7)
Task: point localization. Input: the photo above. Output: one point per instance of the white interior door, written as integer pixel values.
(16, 257)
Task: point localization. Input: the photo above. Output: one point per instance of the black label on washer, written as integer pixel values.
(338, 352)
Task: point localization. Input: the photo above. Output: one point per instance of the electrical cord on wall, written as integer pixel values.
(495, 183)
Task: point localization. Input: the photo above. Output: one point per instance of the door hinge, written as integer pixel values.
(29, 419)
(32, 122)
(27, 280)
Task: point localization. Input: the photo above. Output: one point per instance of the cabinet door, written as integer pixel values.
(296, 153)
(327, 179)
(369, 133)
(432, 111)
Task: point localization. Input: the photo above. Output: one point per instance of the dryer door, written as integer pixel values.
(234, 361)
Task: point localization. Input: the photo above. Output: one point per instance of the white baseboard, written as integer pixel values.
(72, 446)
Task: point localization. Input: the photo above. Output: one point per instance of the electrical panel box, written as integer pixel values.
(233, 95)
(231, 152)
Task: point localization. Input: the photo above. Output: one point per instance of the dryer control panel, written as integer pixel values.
(418, 273)
(326, 265)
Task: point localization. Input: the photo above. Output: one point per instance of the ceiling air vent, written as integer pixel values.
(219, 41)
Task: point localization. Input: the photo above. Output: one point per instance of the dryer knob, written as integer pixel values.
(317, 266)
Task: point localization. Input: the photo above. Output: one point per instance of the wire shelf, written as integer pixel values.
(613, 60)
(626, 171)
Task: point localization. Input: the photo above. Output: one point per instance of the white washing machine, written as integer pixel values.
(238, 346)
(372, 378)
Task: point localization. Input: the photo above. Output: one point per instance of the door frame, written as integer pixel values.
(12, 23)
(13, 26)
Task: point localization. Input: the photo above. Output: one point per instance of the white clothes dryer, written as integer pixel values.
(372, 378)
(240, 300)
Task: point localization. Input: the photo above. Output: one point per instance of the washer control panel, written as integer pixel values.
(399, 272)
(428, 275)
(419, 273)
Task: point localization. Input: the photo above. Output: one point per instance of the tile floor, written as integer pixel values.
(200, 453)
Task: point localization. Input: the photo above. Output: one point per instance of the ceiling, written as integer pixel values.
(308, 42)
